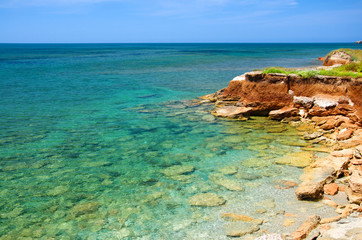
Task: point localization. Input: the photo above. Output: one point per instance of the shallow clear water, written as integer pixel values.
(88, 131)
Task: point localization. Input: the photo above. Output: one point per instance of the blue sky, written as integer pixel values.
(115, 21)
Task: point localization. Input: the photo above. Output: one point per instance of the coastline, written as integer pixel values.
(106, 165)
(329, 111)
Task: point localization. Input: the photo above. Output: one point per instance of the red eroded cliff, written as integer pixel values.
(319, 95)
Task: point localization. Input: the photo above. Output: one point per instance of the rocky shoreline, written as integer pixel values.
(327, 110)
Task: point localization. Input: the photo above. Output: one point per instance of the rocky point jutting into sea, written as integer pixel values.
(328, 110)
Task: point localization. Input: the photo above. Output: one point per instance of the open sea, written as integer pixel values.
(107, 141)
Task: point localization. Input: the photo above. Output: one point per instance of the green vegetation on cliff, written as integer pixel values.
(356, 54)
(353, 69)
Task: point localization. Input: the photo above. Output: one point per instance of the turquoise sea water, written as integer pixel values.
(89, 131)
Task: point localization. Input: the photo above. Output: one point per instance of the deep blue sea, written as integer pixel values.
(95, 140)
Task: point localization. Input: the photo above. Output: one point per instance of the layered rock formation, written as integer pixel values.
(255, 93)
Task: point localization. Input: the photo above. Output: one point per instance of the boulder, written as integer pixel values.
(206, 200)
(285, 112)
(309, 191)
(303, 231)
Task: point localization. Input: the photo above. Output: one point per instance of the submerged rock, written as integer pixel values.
(298, 159)
(178, 170)
(238, 229)
(84, 208)
(228, 170)
(232, 217)
(206, 200)
(230, 184)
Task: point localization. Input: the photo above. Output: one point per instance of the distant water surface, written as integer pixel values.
(89, 132)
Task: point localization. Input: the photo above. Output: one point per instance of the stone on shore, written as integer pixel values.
(303, 231)
(311, 136)
(206, 200)
(283, 113)
(232, 112)
(309, 191)
(343, 153)
(331, 189)
(344, 134)
(354, 190)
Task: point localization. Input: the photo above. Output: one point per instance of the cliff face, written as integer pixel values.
(315, 96)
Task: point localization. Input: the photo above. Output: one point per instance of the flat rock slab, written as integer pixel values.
(238, 229)
(231, 111)
(298, 159)
(206, 200)
(283, 113)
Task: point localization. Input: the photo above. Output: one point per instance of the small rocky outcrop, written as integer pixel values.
(358, 42)
(337, 57)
